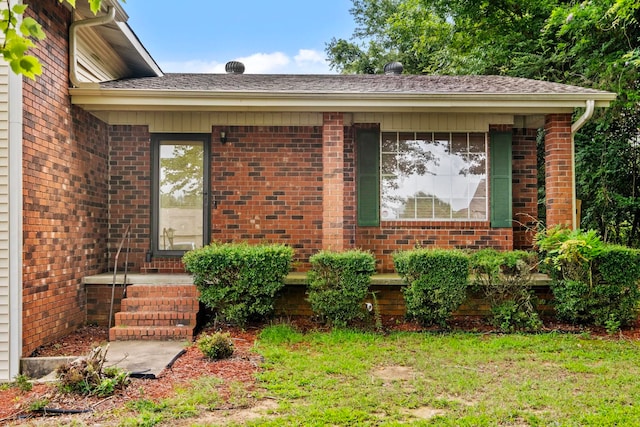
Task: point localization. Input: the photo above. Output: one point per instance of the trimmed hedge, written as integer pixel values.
(239, 281)
(338, 282)
(436, 283)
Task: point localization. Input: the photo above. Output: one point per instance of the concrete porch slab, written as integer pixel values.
(144, 359)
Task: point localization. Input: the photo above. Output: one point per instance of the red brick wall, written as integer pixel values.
(392, 236)
(130, 192)
(267, 184)
(525, 187)
(559, 170)
(65, 191)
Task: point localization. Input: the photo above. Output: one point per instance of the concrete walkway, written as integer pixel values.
(144, 359)
(141, 359)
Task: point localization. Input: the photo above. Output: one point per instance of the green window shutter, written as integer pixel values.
(501, 198)
(368, 177)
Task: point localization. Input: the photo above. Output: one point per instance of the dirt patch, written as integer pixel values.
(395, 373)
(259, 409)
(425, 413)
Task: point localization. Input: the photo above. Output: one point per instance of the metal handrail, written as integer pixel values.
(127, 237)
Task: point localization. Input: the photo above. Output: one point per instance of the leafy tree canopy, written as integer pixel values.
(591, 43)
(21, 33)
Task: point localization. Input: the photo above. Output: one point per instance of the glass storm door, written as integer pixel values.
(180, 190)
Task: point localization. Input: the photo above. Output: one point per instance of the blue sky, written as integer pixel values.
(268, 36)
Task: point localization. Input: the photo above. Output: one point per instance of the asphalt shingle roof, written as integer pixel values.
(345, 84)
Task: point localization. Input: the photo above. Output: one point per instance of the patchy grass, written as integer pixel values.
(353, 378)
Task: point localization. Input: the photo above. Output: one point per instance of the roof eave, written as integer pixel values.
(100, 99)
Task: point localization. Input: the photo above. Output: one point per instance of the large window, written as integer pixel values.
(433, 176)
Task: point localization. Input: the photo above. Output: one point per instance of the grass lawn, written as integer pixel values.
(346, 378)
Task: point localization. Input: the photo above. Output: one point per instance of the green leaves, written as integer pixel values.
(18, 39)
(239, 281)
(21, 34)
(30, 28)
(437, 282)
(338, 284)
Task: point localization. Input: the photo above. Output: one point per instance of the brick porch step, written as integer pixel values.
(151, 333)
(157, 318)
(157, 312)
(179, 305)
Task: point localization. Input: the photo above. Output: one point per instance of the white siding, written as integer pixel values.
(201, 122)
(5, 355)
(462, 122)
(10, 222)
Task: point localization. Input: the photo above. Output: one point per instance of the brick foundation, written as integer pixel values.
(293, 302)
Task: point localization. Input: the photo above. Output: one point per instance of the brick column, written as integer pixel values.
(560, 187)
(333, 234)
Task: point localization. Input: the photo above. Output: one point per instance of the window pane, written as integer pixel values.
(442, 139)
(459, 143)
(389, 164)
(389, 142)
(434, 176)
(477, 143)
(424, 207)
(181, 188)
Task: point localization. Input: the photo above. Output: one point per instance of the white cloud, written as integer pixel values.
(305, 62)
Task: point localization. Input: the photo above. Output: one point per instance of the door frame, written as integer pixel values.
(156, 140)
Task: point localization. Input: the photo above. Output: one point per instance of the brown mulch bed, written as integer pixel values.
(241, 367)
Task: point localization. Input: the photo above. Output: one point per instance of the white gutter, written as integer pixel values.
(584, 118)
(575, 127)
(92, 22)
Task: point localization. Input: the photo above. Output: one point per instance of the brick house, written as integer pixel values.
(104, 141)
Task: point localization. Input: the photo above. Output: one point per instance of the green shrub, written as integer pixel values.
(216, 346)
(338, 284)
(592, 282)
(436, 282)
(239, 281)
(505, 280)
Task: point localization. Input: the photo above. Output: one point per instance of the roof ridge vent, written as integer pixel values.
(234, 67)
(393, 68)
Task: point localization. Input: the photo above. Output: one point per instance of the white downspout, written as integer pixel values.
(91, 22)
(575, 127)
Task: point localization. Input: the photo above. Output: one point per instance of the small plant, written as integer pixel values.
(216, 346)
(23, 383)
(377, 317)
(38, 404)
(338, 284)
(612, 325)
(88, 376)
(436, 282)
